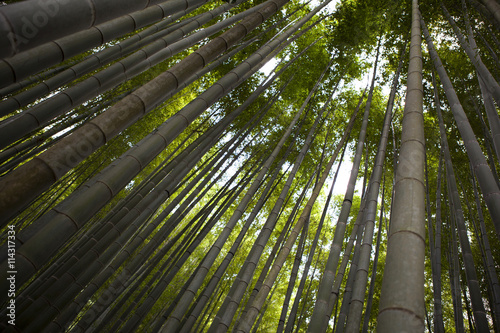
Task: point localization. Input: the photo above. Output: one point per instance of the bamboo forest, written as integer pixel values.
(250, 166)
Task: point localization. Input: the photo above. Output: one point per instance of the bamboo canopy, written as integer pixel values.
(250, 166)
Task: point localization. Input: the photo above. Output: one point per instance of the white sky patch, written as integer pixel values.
(343, 176)
(269, 66)
(330, 8)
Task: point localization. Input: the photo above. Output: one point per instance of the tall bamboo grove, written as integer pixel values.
(250, 166)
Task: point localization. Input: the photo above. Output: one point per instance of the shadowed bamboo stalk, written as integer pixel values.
(492, 35)
(207, 317)
(15, 87)
(492, 116)
(454, 271)
(369, 215)
(23, 151)
(472, 327)
(356, 233)
(492, 52)
(435, 244)
(487, 183)
(353, 267)
(308, 292)
(486, 16)
(489, 105)
(209, 309)
(369, 302)
(475, 58)
(268, 301)
(490, 308)
(278, 245)
(489, 145)
(494, 8)
(402, 304)
(293, 277)
(468, 260)
(48, 80)
(438, 319)
(490, 263)
(30, 23)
